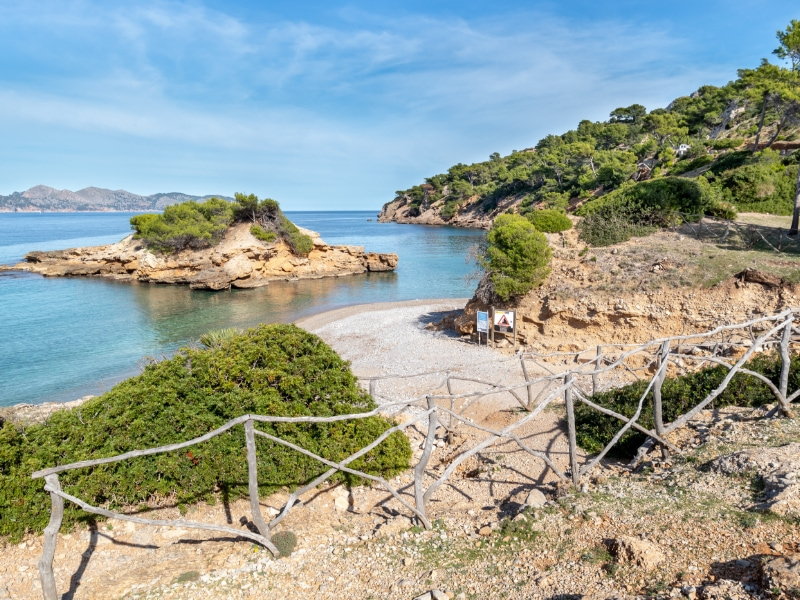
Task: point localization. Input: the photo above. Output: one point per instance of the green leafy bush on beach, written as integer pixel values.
(517, 256)
(678, 396)
(269, 370)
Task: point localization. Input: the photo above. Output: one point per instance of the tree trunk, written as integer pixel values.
(760, 124)
(796, 214)
(725, 118)
(778, 129)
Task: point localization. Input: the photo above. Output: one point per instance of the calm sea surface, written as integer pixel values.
(64, 338)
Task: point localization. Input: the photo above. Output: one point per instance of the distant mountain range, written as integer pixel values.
(47, 199)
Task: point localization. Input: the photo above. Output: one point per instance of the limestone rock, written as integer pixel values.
(394, 526)
(536, 499)
(239, 260)
(778, 467)
(781, 573)
(642, 553)
(380, 262)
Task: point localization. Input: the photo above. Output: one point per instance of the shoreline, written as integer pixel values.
(27, 412)
(321, 319)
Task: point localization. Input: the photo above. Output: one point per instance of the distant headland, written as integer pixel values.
(42, 198)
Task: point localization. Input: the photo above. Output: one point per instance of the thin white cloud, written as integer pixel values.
(363, 93)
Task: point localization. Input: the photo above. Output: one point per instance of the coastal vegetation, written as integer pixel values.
(194, 225)
(549, 220)
(679, 395)
(272, 370)
(516, 257)
(724, 142)
(636, 210)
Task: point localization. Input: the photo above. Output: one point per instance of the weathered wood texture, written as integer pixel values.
(610, 365)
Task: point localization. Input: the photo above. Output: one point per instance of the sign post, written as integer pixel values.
(483, 325)
(505, 322)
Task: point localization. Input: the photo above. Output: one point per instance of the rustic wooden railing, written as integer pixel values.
(747, 236)
(730, 346)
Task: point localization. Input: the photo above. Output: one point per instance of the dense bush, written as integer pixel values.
(764, 183)
(269, 370)
(726, 143)
(262, 234)
(195, 225)
(517, 256)
(690, 164)
(549, 220)
(640, 209)
(188, 225)
(679, 395)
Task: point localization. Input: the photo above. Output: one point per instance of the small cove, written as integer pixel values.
(68, 337)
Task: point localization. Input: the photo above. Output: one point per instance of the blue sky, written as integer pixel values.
(326, 105)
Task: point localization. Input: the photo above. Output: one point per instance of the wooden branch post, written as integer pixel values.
(373, 387)
(573, 444)
(786, 363)
(51, 538)
(452, 408)
(252, 479)
(527, 380)
(658, 411)
(598, 361)
(419, 471)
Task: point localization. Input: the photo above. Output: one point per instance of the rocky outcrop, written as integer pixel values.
(780, 576)
(636, 291)
(472, 214)
(239, 260)
(778, 468)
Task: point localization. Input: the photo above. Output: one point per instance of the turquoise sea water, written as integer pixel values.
(64, 338)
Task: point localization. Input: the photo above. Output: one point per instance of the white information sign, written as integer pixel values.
(483, 321)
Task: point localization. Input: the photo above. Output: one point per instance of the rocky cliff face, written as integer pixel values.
(239, 260)
(472, 214)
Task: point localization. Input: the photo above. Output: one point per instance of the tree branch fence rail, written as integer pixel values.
(571, 376)
(741, 236)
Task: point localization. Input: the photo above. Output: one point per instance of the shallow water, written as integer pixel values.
(68, 337)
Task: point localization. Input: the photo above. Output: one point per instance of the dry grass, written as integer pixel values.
(667, 260)
(765, 220)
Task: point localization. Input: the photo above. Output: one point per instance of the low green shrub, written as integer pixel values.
(549, 220)
(262, 234)
(188, 225)
(725, 144)
(217, 337)
(267, 217)
(517, 256)
(269, 370)
(449, 208)
(687, 165)
(678, 396)
(642, 208)
(285, 542)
